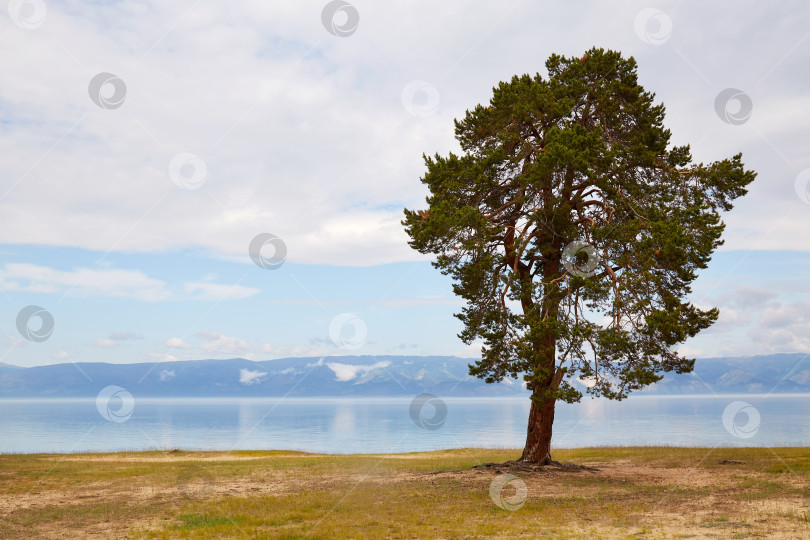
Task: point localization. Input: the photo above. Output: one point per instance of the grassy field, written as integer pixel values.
(625, 492)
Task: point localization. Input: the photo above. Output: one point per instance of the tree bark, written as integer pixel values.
(538, 436)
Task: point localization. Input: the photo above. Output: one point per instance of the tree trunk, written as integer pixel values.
(538, 436)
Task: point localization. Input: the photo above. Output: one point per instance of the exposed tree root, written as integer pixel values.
(528, 466)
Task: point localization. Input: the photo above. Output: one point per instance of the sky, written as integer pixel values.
(195, 179)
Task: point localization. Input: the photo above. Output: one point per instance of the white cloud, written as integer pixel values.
(730, 319)
(279, 351)
(112, 283)
(124, 336)
(61, 355)
(473, 350)
(216, 291)
(396, 303)
(162, 357)
(104, 343)
(347, 372)
(765, 327)
(588, 382)
(248, 377)
(82, 282)
(167, 375)
(778, 315)
(168, 110)
(177, 343)
(747, 297)
(683, 350)
(218, 343)
(14, 342)
(340, 154)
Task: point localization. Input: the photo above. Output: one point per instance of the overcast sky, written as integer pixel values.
(145, 145)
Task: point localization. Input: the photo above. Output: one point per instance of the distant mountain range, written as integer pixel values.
(444, 376)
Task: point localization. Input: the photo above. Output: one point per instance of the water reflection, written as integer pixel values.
(384, 425)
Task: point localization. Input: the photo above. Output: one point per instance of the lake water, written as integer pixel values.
(350, 425)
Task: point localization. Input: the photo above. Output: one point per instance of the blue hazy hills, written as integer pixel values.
(358, 376)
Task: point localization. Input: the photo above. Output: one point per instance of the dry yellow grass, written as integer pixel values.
(626, 492)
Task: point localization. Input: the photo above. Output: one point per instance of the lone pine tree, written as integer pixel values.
(573, 232)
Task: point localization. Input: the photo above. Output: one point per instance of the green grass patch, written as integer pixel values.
(205, 521)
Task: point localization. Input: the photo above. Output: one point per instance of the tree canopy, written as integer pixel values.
(573, 230)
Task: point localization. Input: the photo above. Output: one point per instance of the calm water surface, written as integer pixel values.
(372, 425)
